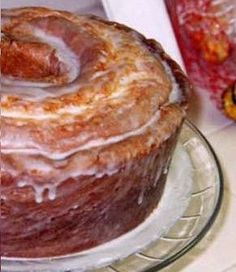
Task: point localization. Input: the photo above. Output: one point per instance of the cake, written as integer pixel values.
(90, 114)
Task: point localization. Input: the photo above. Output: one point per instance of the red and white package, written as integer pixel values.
(206, 34)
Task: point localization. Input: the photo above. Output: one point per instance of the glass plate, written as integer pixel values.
(186, 211)
(204, 205)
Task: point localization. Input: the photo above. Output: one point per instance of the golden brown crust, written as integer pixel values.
(142, 97)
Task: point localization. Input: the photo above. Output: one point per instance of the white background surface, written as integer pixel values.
(217, 251)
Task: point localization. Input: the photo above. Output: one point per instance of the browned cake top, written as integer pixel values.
(72, 83)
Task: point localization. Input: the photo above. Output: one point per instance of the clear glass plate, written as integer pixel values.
(189, 212)
(204, 205)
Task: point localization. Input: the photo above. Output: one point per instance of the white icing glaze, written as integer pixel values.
(22, 115)
(11, 81)
(167, 165)
(29, 93)
(64, 53)
(54, 176)
(140, 198)
(39, 189)
(88, 145)
(39, 91)
(51, 188)
(71, 110)
(175, 95)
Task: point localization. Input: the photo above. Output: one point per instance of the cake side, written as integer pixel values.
(87, 212)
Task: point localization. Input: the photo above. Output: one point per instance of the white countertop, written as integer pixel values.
(217, 251)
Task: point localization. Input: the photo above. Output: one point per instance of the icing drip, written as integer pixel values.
(49, 189)
(140, 198)
(40, 190)
(149, 172)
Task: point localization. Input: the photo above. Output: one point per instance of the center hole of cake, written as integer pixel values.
(34, 63)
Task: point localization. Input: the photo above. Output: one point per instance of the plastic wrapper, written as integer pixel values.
(206, 33)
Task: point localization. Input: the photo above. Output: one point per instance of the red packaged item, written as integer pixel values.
(206, 33)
